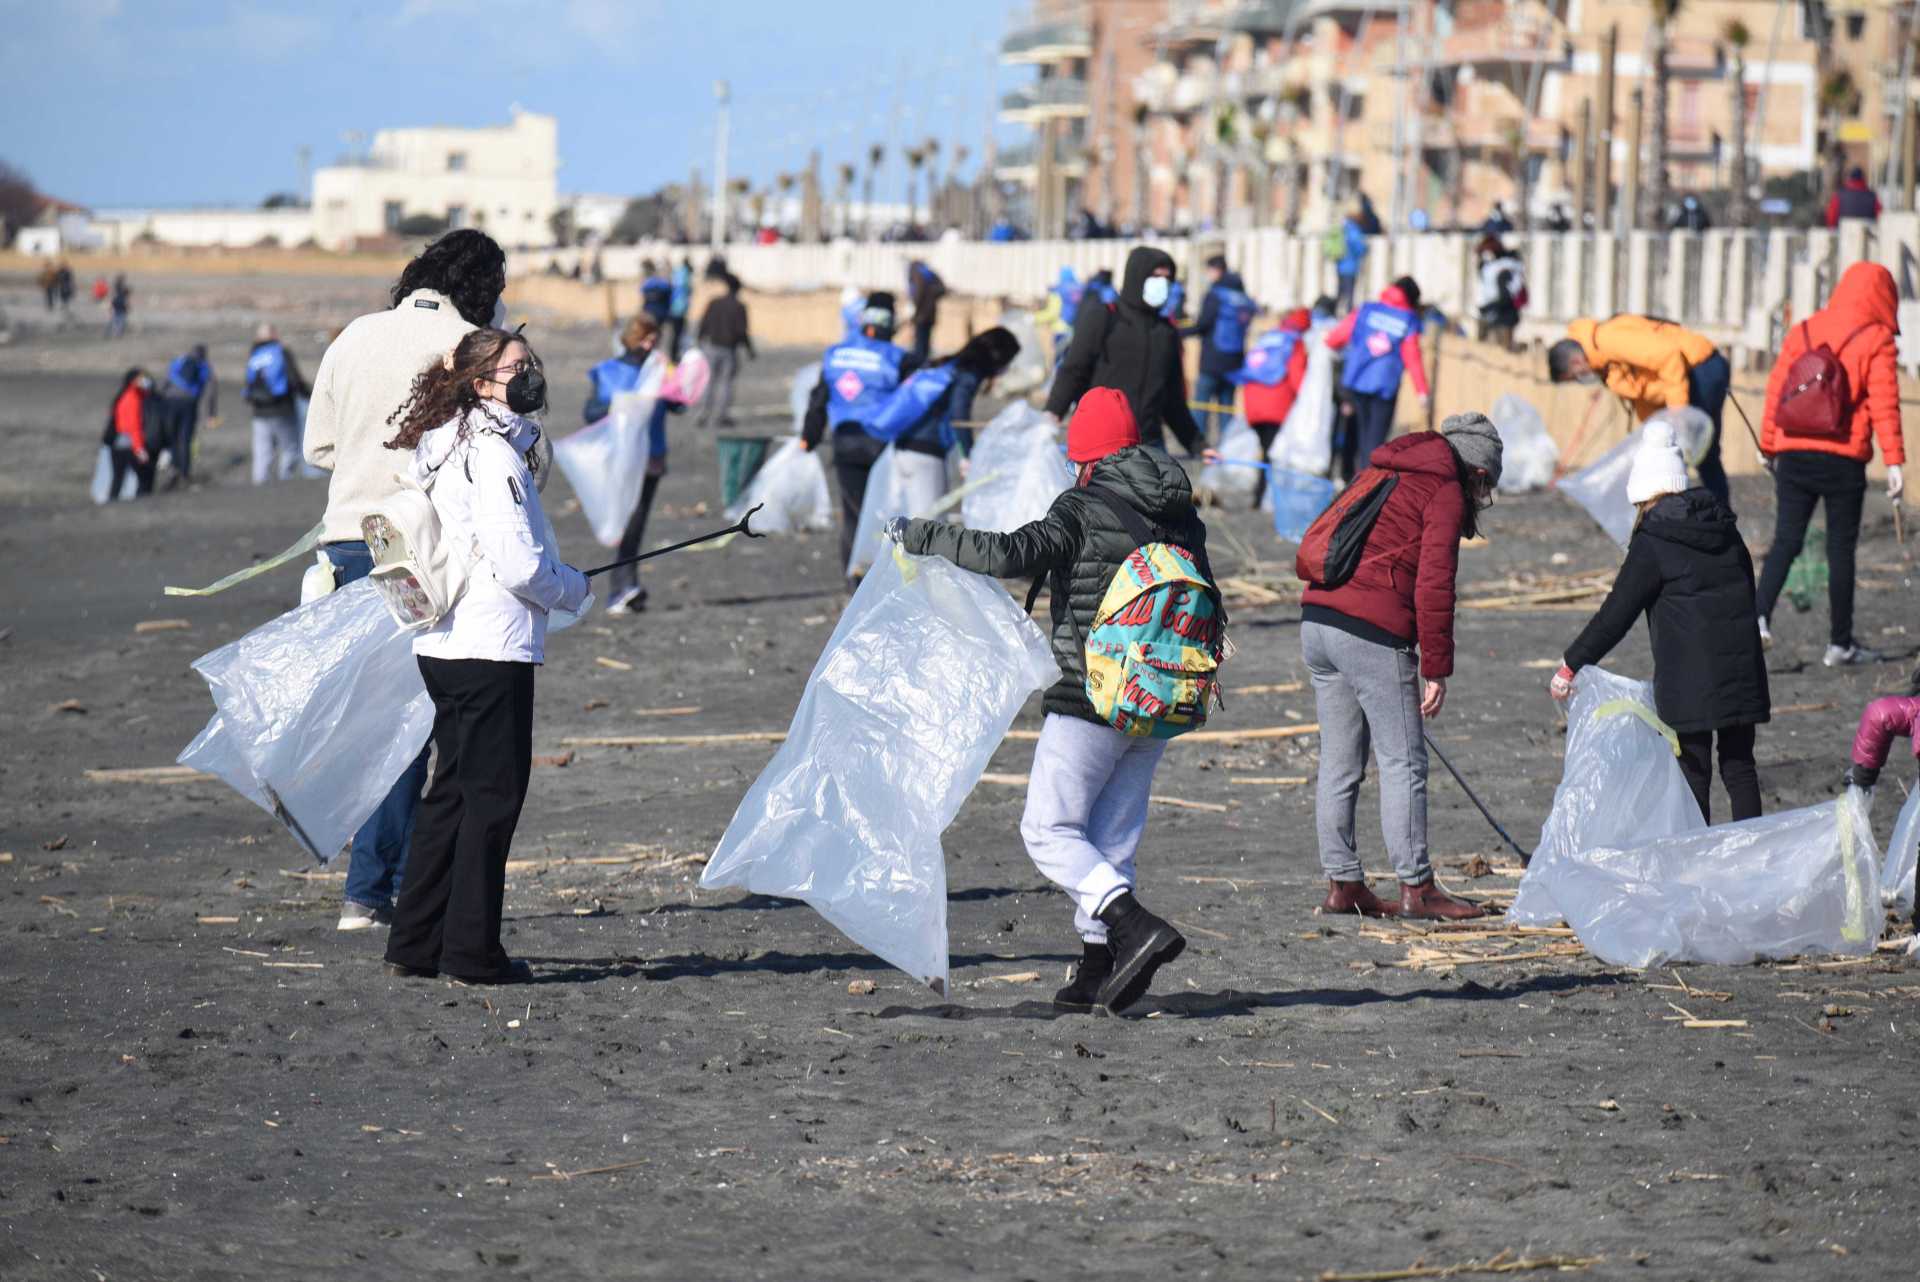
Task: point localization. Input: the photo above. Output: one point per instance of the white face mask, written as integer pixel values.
(1154, 292)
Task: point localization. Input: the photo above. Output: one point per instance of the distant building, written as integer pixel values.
(500, 179)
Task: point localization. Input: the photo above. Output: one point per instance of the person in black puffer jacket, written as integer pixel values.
(1087, 792)
(1132, 347)
(1688, 571)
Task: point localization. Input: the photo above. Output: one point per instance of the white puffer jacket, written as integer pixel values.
(489, 507)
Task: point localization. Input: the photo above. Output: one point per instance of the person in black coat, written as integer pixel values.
(1131, 348)
(1688, 571)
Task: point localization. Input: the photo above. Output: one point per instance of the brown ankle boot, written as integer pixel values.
(1354, 897)
(1427, 902)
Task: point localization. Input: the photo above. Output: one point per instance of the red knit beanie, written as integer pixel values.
(1101, 424)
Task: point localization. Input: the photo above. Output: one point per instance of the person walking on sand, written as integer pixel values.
(725, 333)
(1088, 790)
(1688, 571)
(1270, 381)
(1226, 315)
(1382, 342)
(190, 379)
(273, 389)
(451, 289)
(1379, 649)
(133, 433)
(607, 380)
(1823, 415)
(464, 427)
(118, 305)
(679, 303)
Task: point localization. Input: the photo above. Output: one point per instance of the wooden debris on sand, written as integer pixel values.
(146, 774)
(146, 626)
(1505, 1262)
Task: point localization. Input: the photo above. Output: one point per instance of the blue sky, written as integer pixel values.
(173, 102)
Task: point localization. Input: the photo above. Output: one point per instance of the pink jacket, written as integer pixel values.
(1884, 720)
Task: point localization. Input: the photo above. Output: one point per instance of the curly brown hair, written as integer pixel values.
(443, 391)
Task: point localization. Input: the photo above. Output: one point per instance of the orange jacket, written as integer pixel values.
(1865, 296)
(1644, 361)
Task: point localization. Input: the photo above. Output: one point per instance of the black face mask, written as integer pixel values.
(527, 391)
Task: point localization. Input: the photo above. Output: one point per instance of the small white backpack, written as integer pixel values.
(417, 572)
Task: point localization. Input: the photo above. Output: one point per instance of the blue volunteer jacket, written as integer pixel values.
(1268, 358)
(1374, 365)
(920, 413)
(860, 374)
(622, 374)
(656, 298)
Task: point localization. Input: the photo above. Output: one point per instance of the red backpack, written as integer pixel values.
(1332, 548)
(1815, 401)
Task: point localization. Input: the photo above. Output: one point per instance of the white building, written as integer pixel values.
(499, 179)
(594, 216)
(119, 229)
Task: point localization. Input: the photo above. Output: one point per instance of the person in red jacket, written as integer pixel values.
(1854, 200)
(1860, 325)
(127, 434)
(1270, 379)
(1371, 642)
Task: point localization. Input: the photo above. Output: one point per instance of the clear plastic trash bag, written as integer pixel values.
(606, 461)
(1801, 881)
(1305, 443)
(799, 391)
(886, 497)
(792, 487)
(1029, 369)
(1619, 786)
(1297, 498)
(848, 814)
(687, 383)
(1601, 488)
(1015, 472)
(1238, 475)
(101, 487)
(1692, 431)
(1528, 454)
(1897, 873)
(318, 712)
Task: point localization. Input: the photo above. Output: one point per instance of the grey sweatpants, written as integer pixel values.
(1367, 694)
(722, 363)
(1086, 811)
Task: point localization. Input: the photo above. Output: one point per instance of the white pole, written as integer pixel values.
(717, 235)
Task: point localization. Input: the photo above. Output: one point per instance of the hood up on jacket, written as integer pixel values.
(1142, 263)
(1150, 479)
(1866, 294)
(438, 445)
(1425, 452)
(1694, 519)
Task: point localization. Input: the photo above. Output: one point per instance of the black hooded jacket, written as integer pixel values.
(1082, 542)
(1131, 348)
(1688, 571)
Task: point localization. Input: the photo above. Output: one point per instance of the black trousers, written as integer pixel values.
(676, 331)
(628, 576)
(124, 462)
(1801, 480)
(852, 475)
(448, 917)
(1737, 770)
(1268, 433)
(1367, 430)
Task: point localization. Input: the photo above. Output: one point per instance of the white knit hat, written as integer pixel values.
(1657, 466)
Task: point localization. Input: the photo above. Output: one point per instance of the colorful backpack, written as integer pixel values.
(1153, 654)
(1332, 548)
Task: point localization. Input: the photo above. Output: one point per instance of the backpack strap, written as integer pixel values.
(1859, 330)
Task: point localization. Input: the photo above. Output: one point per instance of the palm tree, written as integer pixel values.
(954, 166)
(916, 157)
(1839, 98)
(785, 182)
(1737, 36)
(1142, 165)
(875, 154)
(843, 196)
(1226, 137)
(931, 147)
(1662, 14)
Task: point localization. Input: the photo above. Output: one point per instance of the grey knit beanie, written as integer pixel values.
(1476, 440)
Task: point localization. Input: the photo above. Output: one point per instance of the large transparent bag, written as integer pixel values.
(102, 485)
(319, 711)
(886, 498)
(1692, 431)
(1029, 368)
(1601, 488)
(1238, 475)
(606, 461)
(1802, 881)
(1619, 786)
(791, 489)
(1305, 443)
(1015, 472)
(912, 695)
(1297, 499)
(799, 391)
(1897, 873)
(1528, 455)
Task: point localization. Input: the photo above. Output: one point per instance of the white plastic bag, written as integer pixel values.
(1528, 454)
(912, 695)
(1305, 443)
(1619, 786)
(1237, 476)
(1692, 431)
(886, 498)
(319, 711)
(1029, 369)
(800, 391)
(606, 461)
(792, 486)
(1015, 472)
(102, 486)
(1802, 881)
(1897, 873)
(1601, 488)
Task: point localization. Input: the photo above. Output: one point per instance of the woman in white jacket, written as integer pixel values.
(465, 424)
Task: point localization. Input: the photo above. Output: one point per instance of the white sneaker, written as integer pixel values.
(1766, 634)
(1842, 656)
(627, 601)
(360, 917)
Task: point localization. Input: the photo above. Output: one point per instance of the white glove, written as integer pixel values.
(1896, 481)
(577, 590)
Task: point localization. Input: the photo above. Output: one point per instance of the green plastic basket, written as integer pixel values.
(740, 460)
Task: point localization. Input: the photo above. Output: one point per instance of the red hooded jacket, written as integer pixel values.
(1883, 721)
(1861, 324)
(1403, 591)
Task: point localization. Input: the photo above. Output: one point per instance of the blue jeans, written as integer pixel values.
(380, 847)
(1212, 389)
(1707, 385)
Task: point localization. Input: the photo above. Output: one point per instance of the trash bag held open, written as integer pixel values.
(319, 711)
(1015, 472)
(606, 461)
(791, 488)
(912, 695)
(1897, 873)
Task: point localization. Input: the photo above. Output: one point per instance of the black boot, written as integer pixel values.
(1141, 943)
(1096, 963)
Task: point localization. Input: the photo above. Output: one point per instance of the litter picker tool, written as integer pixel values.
(1765, 462)
(738, 527)
(1486, 814)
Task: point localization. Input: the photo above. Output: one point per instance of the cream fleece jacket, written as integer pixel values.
(363, 378)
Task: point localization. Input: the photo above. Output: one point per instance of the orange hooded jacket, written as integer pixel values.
(1644, 360)
(1865, 297)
